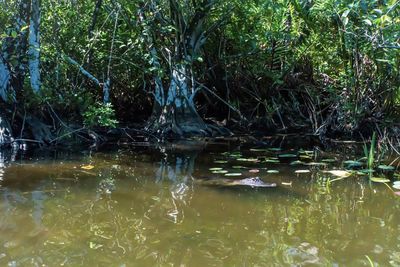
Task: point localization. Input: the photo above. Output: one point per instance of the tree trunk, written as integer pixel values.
(4, 78)
(34, 46)
(95, 15)
(176, 115)
(5, 131)
(174, 111)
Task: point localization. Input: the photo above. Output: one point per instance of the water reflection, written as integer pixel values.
(143, 208)
(177, 167)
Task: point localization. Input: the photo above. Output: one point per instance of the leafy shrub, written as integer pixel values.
(100, 115)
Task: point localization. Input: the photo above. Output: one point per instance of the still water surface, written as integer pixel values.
(154, 206)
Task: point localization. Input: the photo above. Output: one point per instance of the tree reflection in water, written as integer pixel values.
(177, 166)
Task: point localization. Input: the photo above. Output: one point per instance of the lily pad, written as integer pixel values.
(301, 171)
(352, 163)
(220, 171)
(339, 173)
(297, 162)
(396, 186)
(247, 159)
(386, 167)
(379, 180)
(272, 171)
(366, 171)
(233, 174)
(329, 160)
(238, 167)
(235, 155)
(275, 149)
(287, 156)
(215, 169)
(258, 149)
(271, 161)
(308, 152)
(316, 164)
(220, 161)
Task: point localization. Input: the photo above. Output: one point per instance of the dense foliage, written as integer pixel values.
(330, 66)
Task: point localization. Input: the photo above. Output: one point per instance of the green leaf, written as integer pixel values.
(379, 180)
(220, 161)
(386, 167)
(259, 149)
(329, 160)
(297, 162)
(345, 13)
(215, 169)
(271, 161)
(220, 171)
(339, 173)
(233, 174)
(287, 156)
(345, 21)
(352, 163)
(247, 159)
(368, 22)
(238, 167)
(378, 11)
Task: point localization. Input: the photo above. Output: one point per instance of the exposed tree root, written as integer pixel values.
(179, 122)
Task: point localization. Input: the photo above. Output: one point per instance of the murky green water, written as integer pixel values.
(156, 207)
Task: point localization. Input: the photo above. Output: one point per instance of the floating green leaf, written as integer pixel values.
(238, 167)
(352, 163)
(233, 174)
(379, 180)
(386, 167)
(287, 156)
(316, 164)
(215, 169)
(258, 149)
(297, 162)
(307, 152)
(329, 160)
(247, 159)
(275, 149)
(366, 171)
(220, 171)
(220, 161)
(339, 173)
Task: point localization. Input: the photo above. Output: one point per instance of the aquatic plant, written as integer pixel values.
(370, 151)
